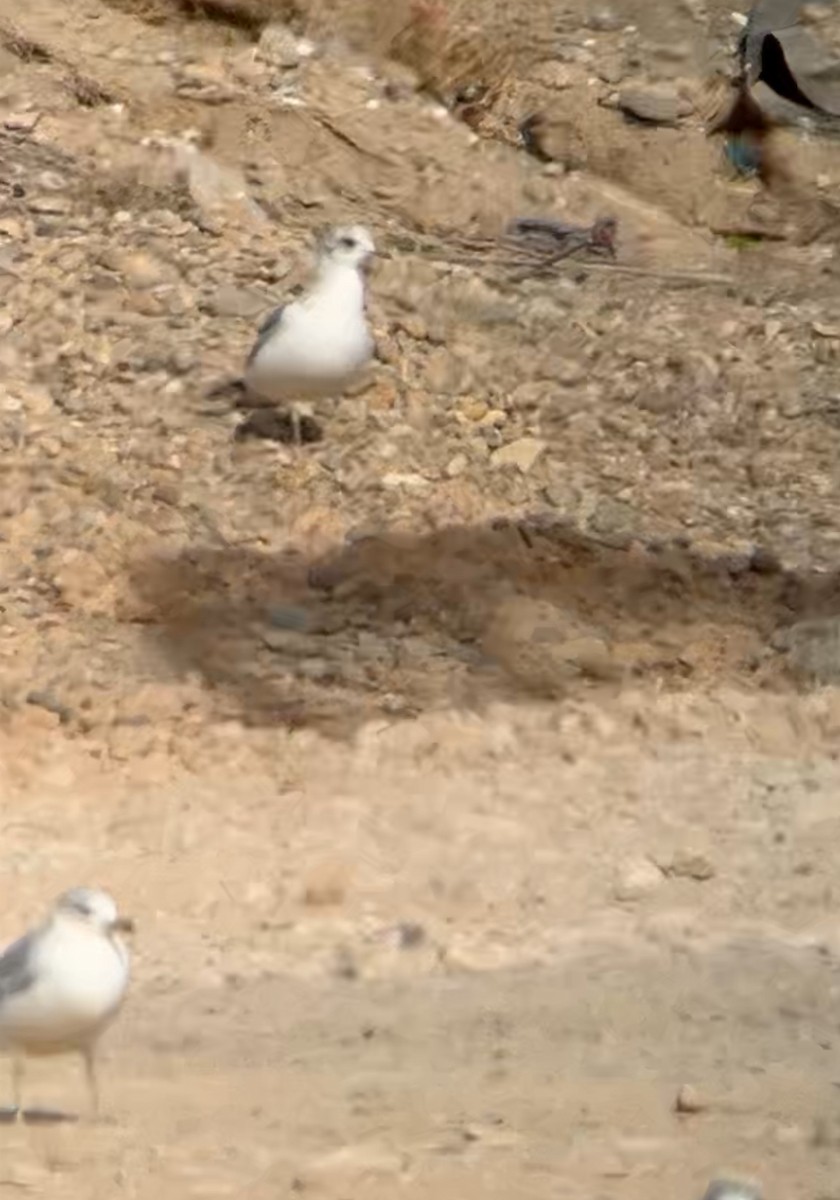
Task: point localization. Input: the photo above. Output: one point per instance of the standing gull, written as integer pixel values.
(317, 345)
(62, 984)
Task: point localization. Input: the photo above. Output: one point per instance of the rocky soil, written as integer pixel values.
(472, 772)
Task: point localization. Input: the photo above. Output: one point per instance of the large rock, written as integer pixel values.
(545, 647)
(812, 648)
(280, 47)
(658, 105)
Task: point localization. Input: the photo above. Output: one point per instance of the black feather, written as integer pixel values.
(269, 326)
(776, 73)
(16, 973)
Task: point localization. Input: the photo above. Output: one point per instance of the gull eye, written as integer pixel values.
(347, 241)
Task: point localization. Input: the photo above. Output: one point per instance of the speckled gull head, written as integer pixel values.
(347, 246)
(92, 907)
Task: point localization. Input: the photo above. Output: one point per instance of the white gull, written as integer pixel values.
(314, 347)
(63, 983)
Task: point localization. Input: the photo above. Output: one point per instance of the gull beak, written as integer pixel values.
(123, 925)
(373, 261)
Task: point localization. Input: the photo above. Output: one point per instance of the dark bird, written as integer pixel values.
(773, 70)
(804, 78)
(761, 54)
(747, 130)
(762, 59)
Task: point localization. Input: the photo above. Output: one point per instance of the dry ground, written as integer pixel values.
(464, 775)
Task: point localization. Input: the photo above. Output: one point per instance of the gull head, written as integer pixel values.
(94, 908)
(349, 246)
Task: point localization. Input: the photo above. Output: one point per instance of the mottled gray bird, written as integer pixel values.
(63, 983)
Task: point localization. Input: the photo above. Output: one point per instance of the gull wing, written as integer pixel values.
(269, 326)
(17, 966)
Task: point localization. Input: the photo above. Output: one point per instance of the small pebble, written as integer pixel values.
(635, 879)
(22, 122)
(51, 704)
(456, 466)
(288, 616)
(732, 1189)
(344, 964)
(604, 20)
(522, 454)
(407, 935)
(689, 1100)
(688, 864)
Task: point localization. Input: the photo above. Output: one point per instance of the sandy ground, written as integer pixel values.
(439, 963)
(472, 774)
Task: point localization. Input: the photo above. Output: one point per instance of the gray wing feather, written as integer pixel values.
(270, 325)
(17, 966)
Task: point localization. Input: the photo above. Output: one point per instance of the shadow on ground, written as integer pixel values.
(399, 623)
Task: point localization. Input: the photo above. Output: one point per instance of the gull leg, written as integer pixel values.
(90, 1076)
(297, 438)
(17, 1081)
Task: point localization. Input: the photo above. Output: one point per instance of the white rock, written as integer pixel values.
(636, 879)
(457, 465)
(220, 191)
(523, 453)
(395, 480)
(279, 47)
(22, 122)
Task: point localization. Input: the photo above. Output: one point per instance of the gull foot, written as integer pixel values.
(47, 1116)
(277, 426)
